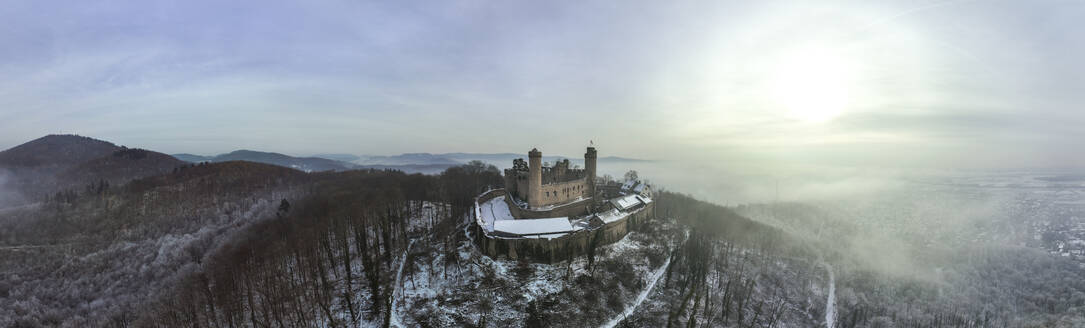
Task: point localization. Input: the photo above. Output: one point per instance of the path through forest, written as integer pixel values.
(640, 298)
(830, 302)
(393, 319)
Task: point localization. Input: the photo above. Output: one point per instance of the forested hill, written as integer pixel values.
(55, 151)
(56, 164)
(118, 167)
(99, 256)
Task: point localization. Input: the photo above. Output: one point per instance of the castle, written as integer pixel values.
(549, 213)
(542, 186)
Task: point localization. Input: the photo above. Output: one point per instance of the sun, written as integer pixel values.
(812, 83)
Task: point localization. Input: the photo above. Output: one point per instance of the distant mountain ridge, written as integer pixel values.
(407, 159)
(57, 162)
(192, 158)
(339, 157)
(412, 163)
(307, 164)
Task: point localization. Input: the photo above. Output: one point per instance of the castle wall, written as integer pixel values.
(567, 210)
(487, 196)
(522, 190)
(564, 247)
(561, 192)
(510, 183)
(549, 194)
(560, 172)
(516, 183)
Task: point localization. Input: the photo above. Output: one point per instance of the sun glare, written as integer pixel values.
(812, 83)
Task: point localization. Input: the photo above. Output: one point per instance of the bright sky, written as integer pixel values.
(989, 84)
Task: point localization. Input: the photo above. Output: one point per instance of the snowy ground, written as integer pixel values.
(640, 298)
(494, 210)
(495, 216)
(394, 319)
(830, 302)
(462, 287)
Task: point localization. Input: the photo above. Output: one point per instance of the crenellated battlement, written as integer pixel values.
(542, 186)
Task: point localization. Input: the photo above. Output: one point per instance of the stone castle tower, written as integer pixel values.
(589, 166)
(534, 180)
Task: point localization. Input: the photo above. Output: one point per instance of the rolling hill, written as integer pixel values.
(408, 163)
(58, 162)
(119, 167)
(55, 152)
(307, 164)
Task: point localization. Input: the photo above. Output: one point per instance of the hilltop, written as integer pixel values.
(59, 162)
(54, 152)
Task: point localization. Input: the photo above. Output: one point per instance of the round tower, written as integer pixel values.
(589, 168)
(534, 178)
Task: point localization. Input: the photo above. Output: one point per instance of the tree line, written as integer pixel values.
(327, 259)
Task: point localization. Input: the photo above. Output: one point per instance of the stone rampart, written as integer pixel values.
(557, 249)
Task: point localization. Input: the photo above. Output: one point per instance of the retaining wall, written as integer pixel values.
(560, 248)
(568, 210)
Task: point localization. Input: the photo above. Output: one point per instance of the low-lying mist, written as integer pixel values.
(733, 186)
(901, 224)
(9, 196)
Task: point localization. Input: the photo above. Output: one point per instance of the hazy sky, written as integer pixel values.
(863, 83)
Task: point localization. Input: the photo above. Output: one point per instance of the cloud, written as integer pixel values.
(645, 79)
